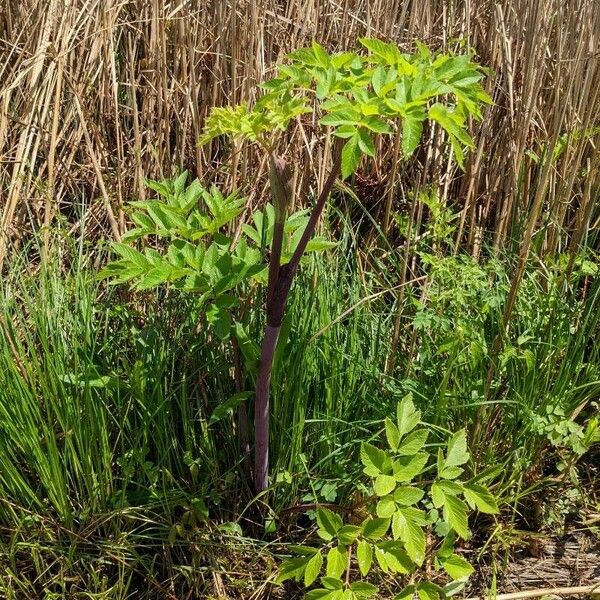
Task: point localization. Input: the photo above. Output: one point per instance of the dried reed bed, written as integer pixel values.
(97, 94)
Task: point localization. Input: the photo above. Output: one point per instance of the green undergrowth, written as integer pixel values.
(120, 469)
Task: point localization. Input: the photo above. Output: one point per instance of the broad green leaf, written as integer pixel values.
(453, 124)
(344, 130)
(158, 186)
(318, 244)
(452, 588)
(389, 53)
(321, 55)
(392, 434)
(414, 542)
(155, 276)
(407, 495)
(292, 568)
(396, 558)
(381, 561)
(329, 524)
(429, 591)
(457, 567)
(378, 80)
(407, 531)
(376, 461)
(376, 124)
(364, 554)
(455, 513)
(407, 593)
(322, 594)
(386, 507)
(407, 416)
(362, 589)
(413, 442)
(447, 66)
(337, 561)
(351, 155)
(457, 453)
(348, 533)
(450, 487)
(374, 529)
(179, 183)
(412, 129)
(451, 472)
(415, 514)
(302, 550)
(220, 320)
(437, 495)
(480, 497)
(346, 118)
(447, 547)
(131, 254)
(407, 468)
(365, 142)
(313, 568)
(384, 484)
(332, 583)
(166, 217)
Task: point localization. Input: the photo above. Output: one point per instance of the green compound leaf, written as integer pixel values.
(337, 561)
(457, 450)
(375, 529)
(457, 567)
(313, 568)
(351, 154)
(384, 484)
(392, 434)
(376, 461)
(364, 554)
(455, 514)
(408, 416)
(413, 442)
(480, 497)
(329, 524)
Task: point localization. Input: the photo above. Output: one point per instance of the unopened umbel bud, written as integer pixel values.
(280, 176)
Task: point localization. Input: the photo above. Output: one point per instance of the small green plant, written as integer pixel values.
(417, 510)
(569, 439)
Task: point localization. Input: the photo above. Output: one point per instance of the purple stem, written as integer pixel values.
(278, 291)
(261, 409)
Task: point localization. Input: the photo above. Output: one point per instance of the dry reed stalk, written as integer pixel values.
(146, 73)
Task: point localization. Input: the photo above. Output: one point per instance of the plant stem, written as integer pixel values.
(280, 282)
(261, 409)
